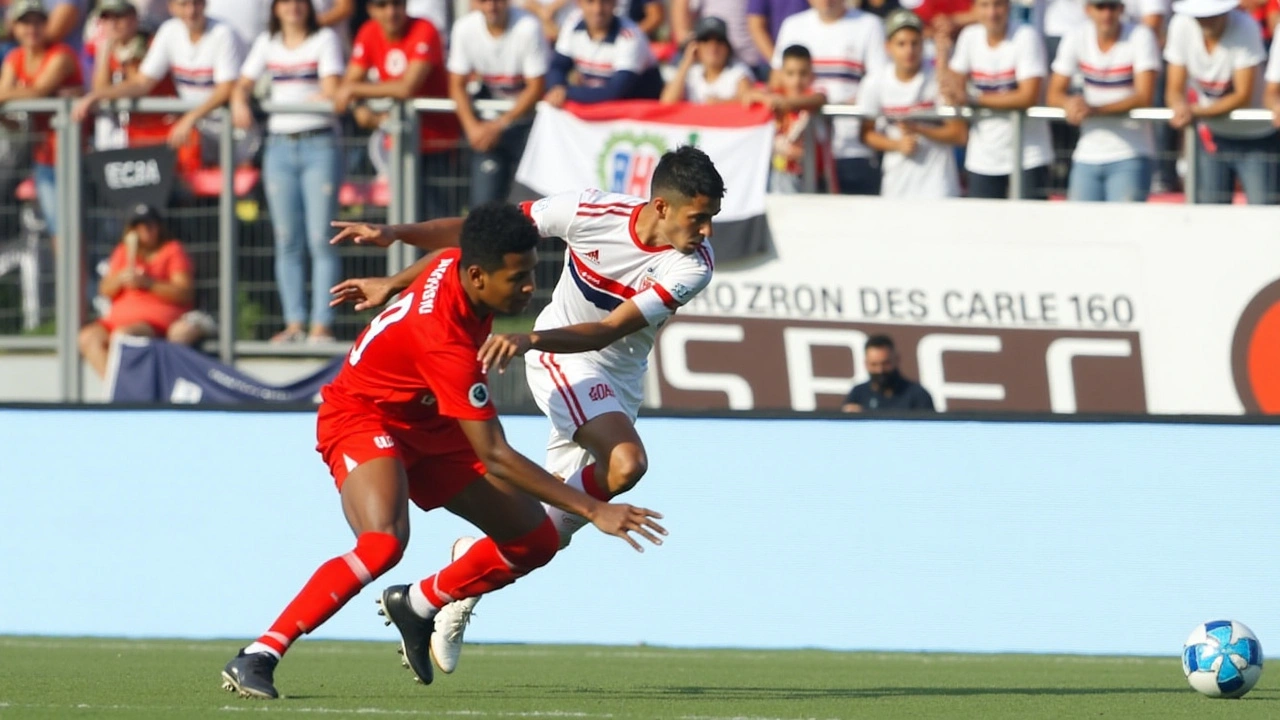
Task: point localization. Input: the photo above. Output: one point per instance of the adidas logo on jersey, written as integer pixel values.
(592, 255)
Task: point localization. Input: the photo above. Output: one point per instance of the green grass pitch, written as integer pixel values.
(108, 678)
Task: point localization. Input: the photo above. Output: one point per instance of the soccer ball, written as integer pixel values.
(1222, 659)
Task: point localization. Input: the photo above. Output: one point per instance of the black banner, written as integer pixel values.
(127, 177)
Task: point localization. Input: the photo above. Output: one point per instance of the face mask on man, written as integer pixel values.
(884, 379)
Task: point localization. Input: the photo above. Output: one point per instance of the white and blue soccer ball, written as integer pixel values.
(1222, 659)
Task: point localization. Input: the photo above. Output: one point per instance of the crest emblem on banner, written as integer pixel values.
(628, 160)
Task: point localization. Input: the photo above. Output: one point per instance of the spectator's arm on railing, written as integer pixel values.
(181, 130)
(55, 71)
(241, 112)
(1022, 97)
(558, 72)
(1175, 95)
(618, 87)
(1243, 81)
(1144, 93)
(405, 87)
(948, 132)
(139, 85)
(878, 141)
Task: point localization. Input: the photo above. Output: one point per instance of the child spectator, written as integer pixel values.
(149, 284)
(918, 158)
(794, 106)
(708, 72)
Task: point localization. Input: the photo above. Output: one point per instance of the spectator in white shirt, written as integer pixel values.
(918, 157)
(1216, 51)
(609, 55)
(686, 13)
(1005, 64)
(1119, 62)
(505, 49)
(204, 58)
(846, 45)
(708, 72)
(300, 167)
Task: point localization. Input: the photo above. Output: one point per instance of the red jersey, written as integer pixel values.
(46, 151)
(420, 43)
(416, 361)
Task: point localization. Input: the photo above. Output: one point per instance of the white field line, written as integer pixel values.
(375, 712)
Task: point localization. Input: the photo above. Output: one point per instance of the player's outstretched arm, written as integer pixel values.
(374, 292)
(431, 235)
(499, 350)
(617, 519)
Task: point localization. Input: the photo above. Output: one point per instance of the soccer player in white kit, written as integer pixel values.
(629, 265)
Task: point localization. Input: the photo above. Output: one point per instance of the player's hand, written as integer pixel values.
(365, 293)
(499, 350)
(362, 233)
(621, 519)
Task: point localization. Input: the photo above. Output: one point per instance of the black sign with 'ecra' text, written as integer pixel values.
(125, 178)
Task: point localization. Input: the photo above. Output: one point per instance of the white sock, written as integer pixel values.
(567, 523)
(418, 601)
(257, 647)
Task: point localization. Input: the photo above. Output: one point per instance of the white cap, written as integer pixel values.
(1205, 8)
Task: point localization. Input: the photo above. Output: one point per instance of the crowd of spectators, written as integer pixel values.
(1097, 59)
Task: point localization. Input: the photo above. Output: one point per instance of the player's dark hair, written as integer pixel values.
(880, 341)
(797, 52)
(689, 172)
(494, 230)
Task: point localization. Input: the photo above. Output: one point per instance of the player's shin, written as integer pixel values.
(487, 566)
(331, 587)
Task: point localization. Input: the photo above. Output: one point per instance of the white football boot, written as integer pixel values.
(451, 621)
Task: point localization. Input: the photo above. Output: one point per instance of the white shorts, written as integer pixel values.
(570, 391)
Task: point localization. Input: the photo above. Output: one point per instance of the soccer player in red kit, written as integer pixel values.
(409, 418)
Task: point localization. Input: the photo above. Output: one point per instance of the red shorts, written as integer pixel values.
(438, 460)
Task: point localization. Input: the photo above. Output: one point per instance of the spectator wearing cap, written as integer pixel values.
(1119, 62)
(118, 50)
(203, 56)
(708, 72)
(846, 45)
(300, 168)
(505, 48)
(919, 161)
(37, 68)
(887, 389)
(1005, 64)
(1215, 51)
(764, 21)
(398, 57)
(686, 13)
(608, 55)
(150, 287)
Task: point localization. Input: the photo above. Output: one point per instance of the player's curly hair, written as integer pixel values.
(493, 230)
(689, 172)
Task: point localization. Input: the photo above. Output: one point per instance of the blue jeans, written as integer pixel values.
(493, 171)
(858, 176)
(301, 178)
(1120, 181)
(1253, 161)
(1035, 184)
(47, 196)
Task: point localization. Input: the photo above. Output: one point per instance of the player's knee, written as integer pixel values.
(530, 552)
(378, 552)
(627, 465)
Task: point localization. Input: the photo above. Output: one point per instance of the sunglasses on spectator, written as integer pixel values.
(1109, 6)
(385, 3)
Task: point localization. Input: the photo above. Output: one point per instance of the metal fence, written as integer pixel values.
(227, 231)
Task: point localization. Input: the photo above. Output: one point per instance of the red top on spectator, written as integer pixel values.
(420, 43)
(46, 151)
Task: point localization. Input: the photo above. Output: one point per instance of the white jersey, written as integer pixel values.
(502, 63)
(1108, 78)
(1019, 56)
(844, 52)
(606, 265)
(697, 89)
(1211, 75)
(295, 76)
(198, 67)
(930, 172)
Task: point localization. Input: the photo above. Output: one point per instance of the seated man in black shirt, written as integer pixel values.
(888, 389)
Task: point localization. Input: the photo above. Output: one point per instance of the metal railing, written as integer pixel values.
(402, 174)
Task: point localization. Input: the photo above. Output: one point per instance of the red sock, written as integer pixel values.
(591, 487)
(488, 566)
(332, 586)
